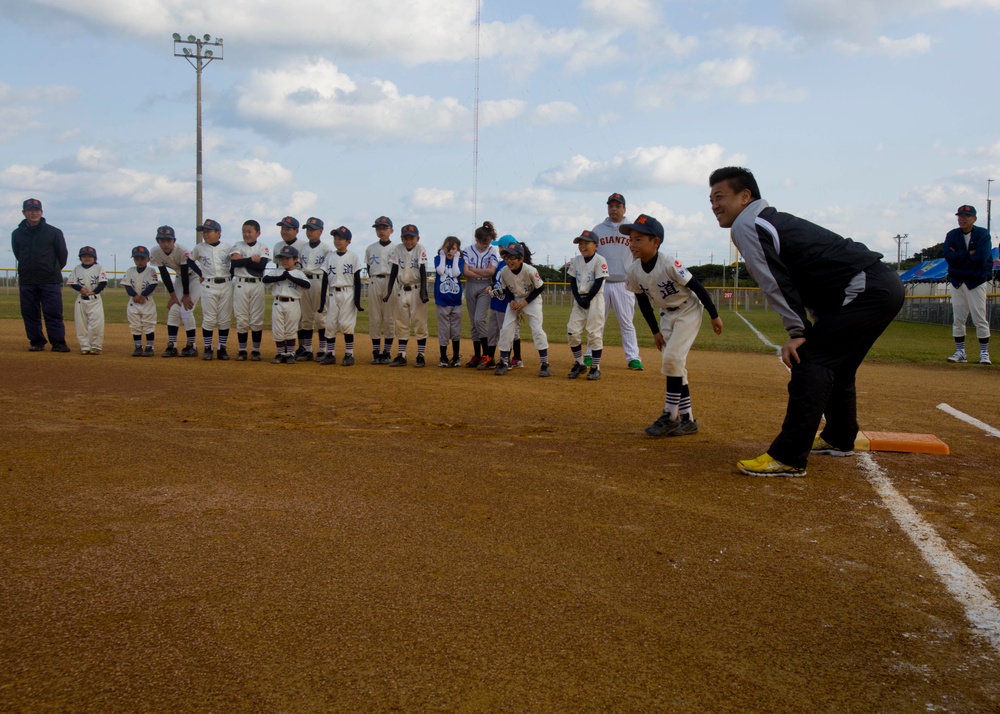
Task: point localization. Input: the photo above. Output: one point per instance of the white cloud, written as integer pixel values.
(914, 45)
(21, 109)
(431, 200)
(497, 111)
(555, 113)
(105, 185)
(619, 13)
(641, 167)
(743, 39)
(251, 175)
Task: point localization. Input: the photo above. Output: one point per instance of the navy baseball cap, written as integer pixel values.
(140, 251)
(87, 250)
(411, 230)
(586, 236)
(315, 224)
(210, 225)
(382, 221)
(165, 232)
(289, 222)
(342, 232)
(288, 251)
(643, 224)
(32, 204)
(616, 197)
(504, 241)
(515, 250)
(966, 211)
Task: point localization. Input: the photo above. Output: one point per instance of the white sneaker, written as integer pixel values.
(959, 356)
(984, 358)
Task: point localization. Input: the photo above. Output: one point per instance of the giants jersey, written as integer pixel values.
(177, 257)
(377, 259)
(248, 251)
(312, 258)
(587, 273)
(286, 288)
(140, 281)
(615, 248)
(665, 285)
(522, 284)
(489, 258)
(409, 262)
(341, 269)
(212, 259)
(88, 278)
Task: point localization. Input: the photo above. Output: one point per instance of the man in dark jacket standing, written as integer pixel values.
(968, 252)
(40, 252)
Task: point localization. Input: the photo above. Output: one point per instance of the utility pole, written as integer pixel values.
(899, 249)
(199, 59)
(988, 202)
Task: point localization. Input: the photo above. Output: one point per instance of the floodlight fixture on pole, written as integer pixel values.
(199, 58)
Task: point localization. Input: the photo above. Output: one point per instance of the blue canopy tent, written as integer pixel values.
(930, 271)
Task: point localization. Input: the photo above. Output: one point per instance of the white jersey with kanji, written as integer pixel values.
(286, 288)
(212, 259)
(173, 260)
(313, 258)
(587, 272)
(297, 244)
(249, 251)
(341, 269)
(665, 285)
(377, 259)
(526, 281)
(409, 262)
(87, 277)
(140, 281)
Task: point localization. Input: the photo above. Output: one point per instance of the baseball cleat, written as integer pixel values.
(320, 355)
(85, 351)
(241, 356)
(278, 359)
(207, 354)
(419, 361)
(398, 361)
(148, 352)
(330, 358)
(984, 358)
(594, 374)
(189, 350)
(60, 347)
(444, 363)
(474, 362)
(688, 426)
(821, 446)
(37, 347)
(222, 354)
(765, 465)
(290, 358)
(386, 358)
(544, 370)
(376, 358)
(635, 365)
(95, 351)
(959, 356)
(255, 356)
(664, 426)
(455, 362)
(502, 368)
(516, 363)
(170, 352)
(303, 356)
(137, 352)
(348, 361)
(577, 370)
(300, 350)
(486, 362)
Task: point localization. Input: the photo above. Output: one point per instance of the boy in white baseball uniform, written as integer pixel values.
(249, 260)
(290, 236)
(409, 276)
(615, 248)
(342, 293)
(523, 285)
(180, 306)
(381, 315)
(89, 280)
(287, 285)
(664, 283)
(587, 275)
(312, 259)
(140, 282)
(213, 258)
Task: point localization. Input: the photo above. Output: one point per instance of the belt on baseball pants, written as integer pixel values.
(337, 290)
(90, 297)
(218, 280)
(284, 299)
(248, 280)
(313, 276)
(675, 309)
(408, 288)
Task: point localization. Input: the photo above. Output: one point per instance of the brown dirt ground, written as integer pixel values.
(189, 536)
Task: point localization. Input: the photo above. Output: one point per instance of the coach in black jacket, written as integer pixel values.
(835, 298)
(40, 252)
(968, 251)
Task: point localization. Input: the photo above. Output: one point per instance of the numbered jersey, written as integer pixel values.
(87, 277)
(665, 285)
(587, 272)
(377, 259)
(212, 259)
(523, 283)
(341, 269)
(409, 262)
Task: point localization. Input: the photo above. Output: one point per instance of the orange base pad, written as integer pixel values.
(906, 443)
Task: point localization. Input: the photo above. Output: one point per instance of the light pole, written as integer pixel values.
(199, 59)
(988, 182)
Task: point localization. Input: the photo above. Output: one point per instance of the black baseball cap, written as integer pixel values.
(411, 230)
(643, 224)
(288, 251)
(382, 221)
(289, 222)
(586, 236)
(313, 224)
(342, 232)
(616, 197)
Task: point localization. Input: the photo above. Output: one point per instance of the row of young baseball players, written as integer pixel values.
(317, 288)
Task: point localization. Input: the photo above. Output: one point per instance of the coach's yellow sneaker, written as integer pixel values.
(821, 446)
(765, 465)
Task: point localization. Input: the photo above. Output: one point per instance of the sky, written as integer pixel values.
(873, 119)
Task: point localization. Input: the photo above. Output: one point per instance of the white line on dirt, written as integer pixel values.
(969, 420)
(964, 585)
(760, 335)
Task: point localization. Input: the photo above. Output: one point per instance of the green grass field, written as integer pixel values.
(904, 342)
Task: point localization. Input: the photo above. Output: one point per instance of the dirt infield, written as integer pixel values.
(189, 536)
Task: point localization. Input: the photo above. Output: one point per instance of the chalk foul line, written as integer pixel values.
(760, 335)
(965, 586)
(969, 420)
